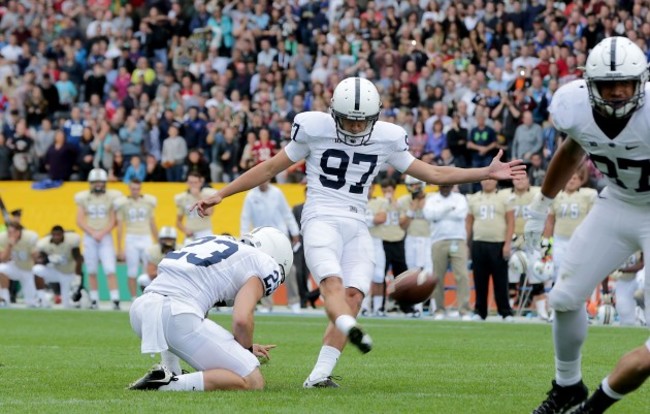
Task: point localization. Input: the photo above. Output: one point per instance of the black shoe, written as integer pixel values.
(157, 376)
(360, 339)
(326, 382)
(94, 305)
(563, 399)
(116, 305)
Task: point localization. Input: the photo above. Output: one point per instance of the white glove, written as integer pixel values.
(537, 214)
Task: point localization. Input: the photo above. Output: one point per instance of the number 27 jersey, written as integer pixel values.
(339, 175)
(625, 160)
(212, 269)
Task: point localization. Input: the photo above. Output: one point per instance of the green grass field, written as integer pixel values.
(81, 361)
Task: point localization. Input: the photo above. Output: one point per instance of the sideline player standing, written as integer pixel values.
(614, 134)
(194, 225)
(135, 217)
(343, 152)
(96, 217)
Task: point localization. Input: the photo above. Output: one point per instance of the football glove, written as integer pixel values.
(537, 214)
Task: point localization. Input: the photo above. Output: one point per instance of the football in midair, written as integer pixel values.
(412, 286)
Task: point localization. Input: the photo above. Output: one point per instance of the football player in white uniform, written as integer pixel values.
(614, 135)
(170, 316)
(96, 217)
(135, 217)
(16, 261)
(344, 151)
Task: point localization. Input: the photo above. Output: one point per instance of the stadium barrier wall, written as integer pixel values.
(42, 209)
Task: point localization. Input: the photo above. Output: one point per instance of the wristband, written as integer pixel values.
(410, 214)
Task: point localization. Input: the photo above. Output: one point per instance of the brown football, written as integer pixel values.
(412, 286)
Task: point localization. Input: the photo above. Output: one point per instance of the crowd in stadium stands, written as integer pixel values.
(155, 89)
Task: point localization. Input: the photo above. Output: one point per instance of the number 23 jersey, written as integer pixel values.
(625, 160)
(338, 175)
(212, 269)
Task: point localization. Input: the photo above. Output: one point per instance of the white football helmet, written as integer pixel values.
(606, 314)
(167, 232)
(274, 243)
(97, 179)
(518, 265)
(356, 99)
(616, 59)
(414, 185)
(543, 270)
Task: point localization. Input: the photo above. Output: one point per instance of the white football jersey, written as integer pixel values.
(339, 175)
(625, 160)
(213, 269)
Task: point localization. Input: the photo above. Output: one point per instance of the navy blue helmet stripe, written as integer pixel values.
(357, 94)
(612, 56)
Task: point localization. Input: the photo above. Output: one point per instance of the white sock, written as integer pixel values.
(4, 295)
(94, 296)
(115, 295)
(187, 382)
(344, 323)
(326, 362)
(419, 307)
(512, 302)
(377, 301)
(366, 303)
(171, 361)
(609, 391)
(567, 372)
(541, 308)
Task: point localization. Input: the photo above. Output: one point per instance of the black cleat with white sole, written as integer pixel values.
(327, 382)
(360, 339)
(563, 400)
(157, 376)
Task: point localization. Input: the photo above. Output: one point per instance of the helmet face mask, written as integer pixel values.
(612, 63)
(355, 99)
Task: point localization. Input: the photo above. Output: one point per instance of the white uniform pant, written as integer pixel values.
(625, 302)
(340, 247)
(560, 246)
(418, 252)
(52, 275)
(379, 274)
(96, 251)
(612, 231)
(135, 246)
(200, 342)
(26, 279)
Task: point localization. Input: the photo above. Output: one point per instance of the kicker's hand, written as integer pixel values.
(202, 207)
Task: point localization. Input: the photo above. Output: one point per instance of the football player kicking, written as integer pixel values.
(170, 316)
(613, 134)
(344, 151)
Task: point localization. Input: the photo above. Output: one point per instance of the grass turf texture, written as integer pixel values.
(80, 362)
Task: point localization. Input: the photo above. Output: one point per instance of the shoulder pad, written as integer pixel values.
(81, 196)
(565, 104)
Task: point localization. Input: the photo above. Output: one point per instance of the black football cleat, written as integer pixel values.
(157, 376)
(562, 400)
(327, 382)
(360, 339)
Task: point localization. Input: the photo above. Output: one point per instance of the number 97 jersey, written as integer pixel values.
(338, 174)
(212, 269)
(625, 160)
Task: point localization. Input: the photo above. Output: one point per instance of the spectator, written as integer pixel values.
(106, 145)
(60, 158)
(135, 171)
(457, 142)
(118, 168)
(436, 141)
(154, 171)
(195, 130)
(536, 170)
(174, 151)
(36, 108)
(43, 139)
(482, 144)
(528, 139)
(21, 146)
(131, 138)
(196, 163)
(5, 159)
(226, 155)
(73, 127)
(86, 153)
